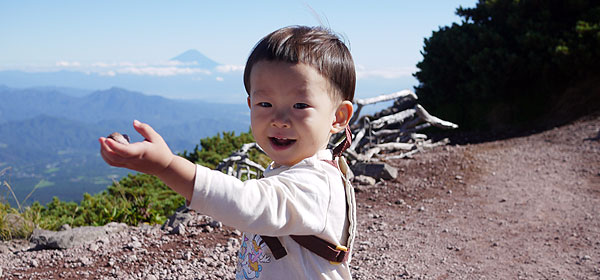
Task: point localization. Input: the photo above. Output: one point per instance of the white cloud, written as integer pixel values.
(230, 68)
(162, 71)
(68, 64)
(386, 73)
(103, 68)
(101, 64)
(219, 79)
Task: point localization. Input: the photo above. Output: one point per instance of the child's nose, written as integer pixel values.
(280, 119)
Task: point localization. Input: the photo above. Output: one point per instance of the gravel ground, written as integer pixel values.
(521, 208)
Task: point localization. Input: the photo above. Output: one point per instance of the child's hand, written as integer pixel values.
(151, 156)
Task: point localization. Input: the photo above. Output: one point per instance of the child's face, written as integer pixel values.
(292, 113)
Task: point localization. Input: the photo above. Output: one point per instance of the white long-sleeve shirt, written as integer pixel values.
(309, 198)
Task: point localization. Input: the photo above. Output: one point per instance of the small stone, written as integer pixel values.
(94, 247)
(34, 263)
(216, 224)
(121, 138)
(179, 229)
(85, 261)
(586, 258)
(134, 245)
(365, 180)
(399, 202)
(65, 227)
(421, 209)
(458, 177)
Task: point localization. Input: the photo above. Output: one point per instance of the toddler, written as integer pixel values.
(299, 220)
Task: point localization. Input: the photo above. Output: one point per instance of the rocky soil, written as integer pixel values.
(523, 208)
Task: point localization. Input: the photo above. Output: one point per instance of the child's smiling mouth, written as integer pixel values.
(281, 142)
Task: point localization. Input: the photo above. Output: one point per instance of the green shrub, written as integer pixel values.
(135, 199)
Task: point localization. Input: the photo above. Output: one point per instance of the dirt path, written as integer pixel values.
(522, 208)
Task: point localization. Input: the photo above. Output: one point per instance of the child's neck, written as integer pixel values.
(277, 165)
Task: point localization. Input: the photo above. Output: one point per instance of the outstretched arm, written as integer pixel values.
(151, 156)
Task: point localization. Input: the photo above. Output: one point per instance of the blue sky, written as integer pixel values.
(385, 37)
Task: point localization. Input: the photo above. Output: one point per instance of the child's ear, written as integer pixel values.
(343, 114)
(249, 102)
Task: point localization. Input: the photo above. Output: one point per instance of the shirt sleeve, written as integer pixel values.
(294, 201)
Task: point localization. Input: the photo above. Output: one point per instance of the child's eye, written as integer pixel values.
(300, 106)
(264, 104)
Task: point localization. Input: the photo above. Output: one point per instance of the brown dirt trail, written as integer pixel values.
(521, 208)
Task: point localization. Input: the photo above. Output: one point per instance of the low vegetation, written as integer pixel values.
(135, 199)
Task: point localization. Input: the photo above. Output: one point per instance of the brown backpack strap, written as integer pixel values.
(339, 149)
(331, 252)
(275, 246)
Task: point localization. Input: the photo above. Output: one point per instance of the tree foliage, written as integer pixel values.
(510, 61)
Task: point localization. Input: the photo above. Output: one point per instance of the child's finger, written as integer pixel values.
(125, 150)
(109, 155)
(146, 131)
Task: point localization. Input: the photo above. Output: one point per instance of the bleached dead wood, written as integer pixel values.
(238, 164)
(435, 121)
(396, 146)
(359, 136)
(360, 103)
(395, 118)
(387, 97)
(442, 142)
(392, 130)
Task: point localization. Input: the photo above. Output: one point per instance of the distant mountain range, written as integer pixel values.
(189, 75)
(48, 133)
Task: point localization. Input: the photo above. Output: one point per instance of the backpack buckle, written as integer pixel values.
(341, 256)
